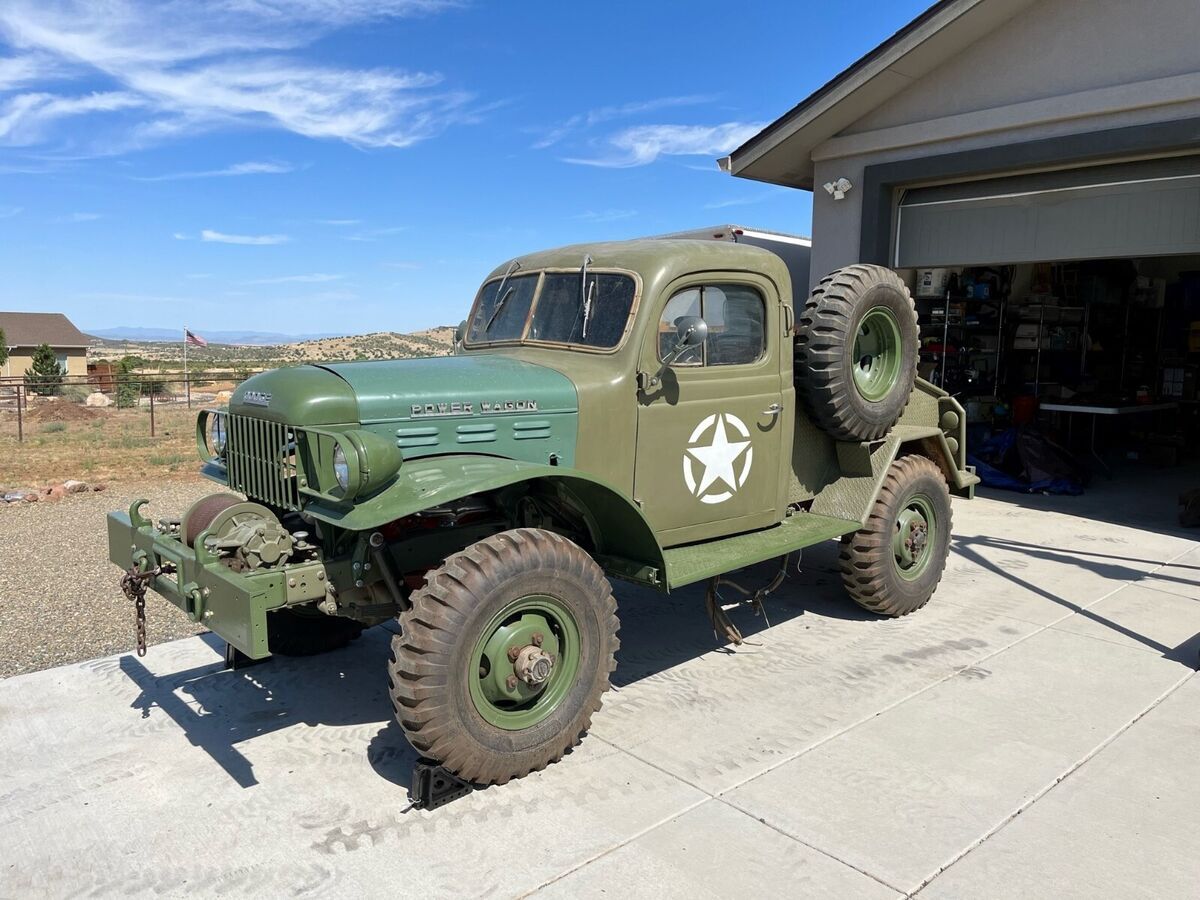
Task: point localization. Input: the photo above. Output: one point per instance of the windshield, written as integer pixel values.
(501, 317)
(559, 309)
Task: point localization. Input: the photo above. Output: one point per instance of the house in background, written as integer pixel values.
(24, 332)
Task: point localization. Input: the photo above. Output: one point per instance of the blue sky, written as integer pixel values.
(347, 166)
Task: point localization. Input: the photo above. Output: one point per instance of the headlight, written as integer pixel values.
(216, 435)
(341, 467)
(362, 462)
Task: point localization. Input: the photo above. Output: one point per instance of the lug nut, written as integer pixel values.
(513, 653)
(537, 639)
(511, 682)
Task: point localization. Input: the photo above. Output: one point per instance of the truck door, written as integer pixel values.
(710, 431)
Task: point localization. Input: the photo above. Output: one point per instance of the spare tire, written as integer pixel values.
(857, 346)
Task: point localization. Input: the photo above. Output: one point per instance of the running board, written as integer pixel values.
(695, 562)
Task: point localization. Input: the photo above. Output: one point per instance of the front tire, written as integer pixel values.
(892, 565)
(504, 655)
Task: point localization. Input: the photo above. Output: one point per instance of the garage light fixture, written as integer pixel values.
(838, 188)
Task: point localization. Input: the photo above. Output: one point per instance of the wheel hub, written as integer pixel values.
(877, 354)
(914, 527)
(525, 661)
(533, 665)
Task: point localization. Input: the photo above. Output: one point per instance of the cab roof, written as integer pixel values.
(658, 260)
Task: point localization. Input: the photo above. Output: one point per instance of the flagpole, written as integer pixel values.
(187, 381)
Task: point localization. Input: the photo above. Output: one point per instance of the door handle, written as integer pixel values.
(773, 410)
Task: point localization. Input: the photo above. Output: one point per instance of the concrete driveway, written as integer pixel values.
(1033, 732)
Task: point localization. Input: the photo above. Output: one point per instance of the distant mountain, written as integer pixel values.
(253, 338)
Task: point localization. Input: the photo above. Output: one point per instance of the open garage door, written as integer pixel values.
(1149, 208)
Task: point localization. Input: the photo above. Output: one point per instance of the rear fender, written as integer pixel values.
(933, 425)
(623, 541)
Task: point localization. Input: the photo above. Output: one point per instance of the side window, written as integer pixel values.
(736, 319)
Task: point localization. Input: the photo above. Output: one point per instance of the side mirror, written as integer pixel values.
(690, 331)
(460, 333)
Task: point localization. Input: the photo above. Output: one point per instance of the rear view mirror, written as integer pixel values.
(460, 333)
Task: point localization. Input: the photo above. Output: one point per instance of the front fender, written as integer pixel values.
(625, 542)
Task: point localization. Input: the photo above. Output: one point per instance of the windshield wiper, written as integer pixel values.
(585, 295)
(502, 295)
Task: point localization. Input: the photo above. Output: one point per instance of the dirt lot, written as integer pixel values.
(59, 599)
(66, 440)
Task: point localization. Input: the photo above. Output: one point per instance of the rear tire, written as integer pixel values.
(453, 669)
(892, 565)
(300, 632)
(857, 346)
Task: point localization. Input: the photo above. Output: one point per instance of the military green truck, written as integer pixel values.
(655, 411)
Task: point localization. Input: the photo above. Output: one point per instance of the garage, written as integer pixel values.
(1032, 169)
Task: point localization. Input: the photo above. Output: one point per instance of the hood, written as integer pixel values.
(299, 395)
(402, 389)
(453, 386)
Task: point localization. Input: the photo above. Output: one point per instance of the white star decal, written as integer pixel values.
(718, 458)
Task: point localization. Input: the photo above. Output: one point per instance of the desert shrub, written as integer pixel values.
(53, 427)
(74, 393)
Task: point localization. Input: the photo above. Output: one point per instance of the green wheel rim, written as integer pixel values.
(499, 696)
(877, 354)
(915, 540)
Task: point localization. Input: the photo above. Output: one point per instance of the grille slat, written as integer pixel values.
(259, 461)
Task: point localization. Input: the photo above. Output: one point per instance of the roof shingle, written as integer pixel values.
(27, 329)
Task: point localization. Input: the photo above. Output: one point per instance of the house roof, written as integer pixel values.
(782, 152)
(28, 329)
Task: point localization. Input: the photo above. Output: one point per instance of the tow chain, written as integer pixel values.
(133, 585)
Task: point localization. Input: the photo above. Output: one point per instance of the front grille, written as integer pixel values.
(261, 457)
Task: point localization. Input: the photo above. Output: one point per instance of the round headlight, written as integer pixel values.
(216, 435)
(341, 468)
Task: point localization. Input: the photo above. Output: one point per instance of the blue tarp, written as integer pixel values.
(986, 455)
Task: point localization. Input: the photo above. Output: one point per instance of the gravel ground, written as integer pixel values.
(59, 597)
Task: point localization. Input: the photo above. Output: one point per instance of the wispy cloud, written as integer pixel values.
(339, 223)
(77, 217)
(314, 278)
(180, 236)
(401, 264)
(195, 276)
(556, 133)
(131, 298)
(256, 240)
(641, 145)
(183, 67)
(606, 215)
(749, 199)
(7, 212)
(233, 171)
(375, 234)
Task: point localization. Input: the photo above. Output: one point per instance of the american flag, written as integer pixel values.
(190, 338)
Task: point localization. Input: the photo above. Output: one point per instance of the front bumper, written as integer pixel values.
(231, 604)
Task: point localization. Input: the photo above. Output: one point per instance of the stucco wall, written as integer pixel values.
(21, 358)
(1062, 67)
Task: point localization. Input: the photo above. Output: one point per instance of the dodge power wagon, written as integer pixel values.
(654, 411)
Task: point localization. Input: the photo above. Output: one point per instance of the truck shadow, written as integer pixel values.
(218, 710)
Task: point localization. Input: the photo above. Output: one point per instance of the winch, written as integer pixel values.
(247, 535)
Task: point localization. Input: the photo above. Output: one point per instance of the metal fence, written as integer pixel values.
(140, 391)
